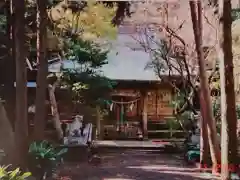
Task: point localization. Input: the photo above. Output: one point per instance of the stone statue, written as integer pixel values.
(76, 127)
(79, 133)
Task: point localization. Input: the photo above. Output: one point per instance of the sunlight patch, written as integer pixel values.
(163, 167)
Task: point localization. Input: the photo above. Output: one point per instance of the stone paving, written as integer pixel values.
(131, 144)
(132, 165)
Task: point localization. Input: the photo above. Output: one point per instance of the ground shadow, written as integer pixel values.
(132, 165)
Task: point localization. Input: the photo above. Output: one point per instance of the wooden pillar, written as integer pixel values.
(144, 115)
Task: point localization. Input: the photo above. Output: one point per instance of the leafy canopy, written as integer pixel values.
(92, 21)
(84, 79)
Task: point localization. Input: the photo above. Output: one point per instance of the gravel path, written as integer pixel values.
(132, 165)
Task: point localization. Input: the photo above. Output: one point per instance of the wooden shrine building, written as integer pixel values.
(135, 105)
(141, 101)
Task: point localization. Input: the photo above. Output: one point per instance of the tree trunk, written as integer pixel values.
(54, 108)
(6, 137)
(224, 132)
(40, 115)
(21, 124)
(196, 14)
(228, 106)
(204, 143)
(9, 68)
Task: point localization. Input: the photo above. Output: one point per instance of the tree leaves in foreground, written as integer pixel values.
(84, 78)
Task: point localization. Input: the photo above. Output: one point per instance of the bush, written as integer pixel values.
(217, 109)
(44, 158)
(173, 124)
(16, 174)
(45, 150)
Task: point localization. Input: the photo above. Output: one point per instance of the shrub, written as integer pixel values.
(16, 174)
(45, 151)
(44, 158)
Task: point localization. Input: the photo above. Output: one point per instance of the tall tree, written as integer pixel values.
(176, 54)
(54, 109)
(42, 62)
(9, 66)
(196, 14)
(21, 131)
(204, 143)
(228, 106)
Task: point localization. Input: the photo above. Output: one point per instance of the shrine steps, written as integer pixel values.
(162, 130)
(81, 153)
(147, 145)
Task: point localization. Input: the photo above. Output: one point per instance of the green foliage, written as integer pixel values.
(178, 100)
(16, 174)
(88, 88)
(236, 14)
(85, 79)
(91, 21)
(3, 24)
(86, 53)
(98, 20)
(44, 150)
(44, 158)
(183, 120)
(238, 111)
(186, 115)
(173, 124)
(217, 109)
(88, 22)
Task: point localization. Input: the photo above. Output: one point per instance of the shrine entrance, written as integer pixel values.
(125, 114)
(139, 110)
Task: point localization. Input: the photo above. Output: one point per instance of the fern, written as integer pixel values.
(16, 174)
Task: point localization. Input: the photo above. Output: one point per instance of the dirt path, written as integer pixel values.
(132, 165)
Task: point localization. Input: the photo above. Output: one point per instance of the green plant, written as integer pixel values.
(217, 110)
(16, 174)
(44, 150)
(173, 124)
(177, 101)
(44, 157)
(181, 121)
(238, 111)
(235, 14)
